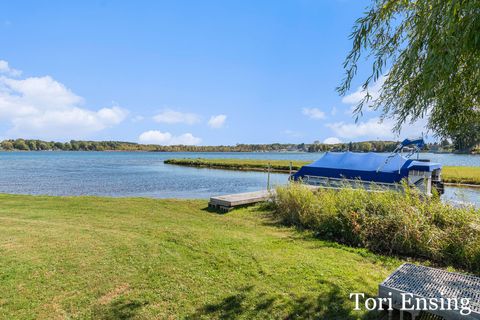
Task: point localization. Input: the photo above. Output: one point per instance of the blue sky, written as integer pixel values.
(193, 72)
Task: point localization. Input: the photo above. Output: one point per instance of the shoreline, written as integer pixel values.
(219, 151)
(281, 166)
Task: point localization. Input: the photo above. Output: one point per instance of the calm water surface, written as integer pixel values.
(144, 174)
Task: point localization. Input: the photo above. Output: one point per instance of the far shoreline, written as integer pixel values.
(233, 151)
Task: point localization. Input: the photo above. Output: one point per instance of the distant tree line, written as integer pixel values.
(365, 146)
(75, 145)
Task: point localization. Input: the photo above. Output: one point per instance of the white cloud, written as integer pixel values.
(66, 123)
(351, 110)
(171, 116)
(217, 121)
(6, 69)
(313, 113)
(138, 118)
(376, 129)
(332, 140)
(374, 90)
(333, 111)
(166, 138)
(355, 97)
(293, 134)
(371, 128)
(41, 107)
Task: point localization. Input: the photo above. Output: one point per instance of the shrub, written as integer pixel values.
(401, 223)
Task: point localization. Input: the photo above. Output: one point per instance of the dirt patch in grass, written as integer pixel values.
(112, 295)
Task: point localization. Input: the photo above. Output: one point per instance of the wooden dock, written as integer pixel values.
(228, 202)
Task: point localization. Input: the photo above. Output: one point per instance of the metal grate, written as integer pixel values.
(434, 283)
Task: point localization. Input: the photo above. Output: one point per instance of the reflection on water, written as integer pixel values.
(144, 174)
(120, 174)
(459, 196)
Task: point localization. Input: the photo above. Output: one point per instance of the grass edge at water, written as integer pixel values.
(450, 174)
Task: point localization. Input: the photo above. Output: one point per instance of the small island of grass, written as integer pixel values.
(454, 175)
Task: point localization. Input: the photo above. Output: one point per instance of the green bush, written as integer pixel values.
(388, 222)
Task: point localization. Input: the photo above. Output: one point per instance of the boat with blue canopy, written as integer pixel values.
(335, 169)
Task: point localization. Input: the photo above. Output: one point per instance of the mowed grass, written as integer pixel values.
(460, 175)
(122, 258)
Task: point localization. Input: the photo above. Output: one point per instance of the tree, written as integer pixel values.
(427, 52)
(42, 146)
(466, 137)
(32, 145)
(82, 145)
(74, 145)
(20, 144)
(366, 146)
(7, 145)
(444, 143)
(58, 145)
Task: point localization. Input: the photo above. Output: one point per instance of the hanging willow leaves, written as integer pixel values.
(429, 52)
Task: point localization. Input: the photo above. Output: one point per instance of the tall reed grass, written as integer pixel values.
(398, 223)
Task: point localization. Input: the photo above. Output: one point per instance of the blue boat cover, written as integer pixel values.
(364, 166)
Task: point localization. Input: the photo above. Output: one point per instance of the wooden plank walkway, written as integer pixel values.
(229, 201)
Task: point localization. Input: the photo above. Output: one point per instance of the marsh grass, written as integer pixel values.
(461, 175)
(392, 223)
(239, 164)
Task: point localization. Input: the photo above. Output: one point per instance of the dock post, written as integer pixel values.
(290, 169)
(268, 177)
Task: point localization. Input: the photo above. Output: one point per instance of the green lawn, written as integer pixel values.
(121, 258)
(460, 175)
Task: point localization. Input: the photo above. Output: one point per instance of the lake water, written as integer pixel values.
(144, 174)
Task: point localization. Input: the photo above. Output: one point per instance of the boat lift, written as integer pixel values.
(416, 143)
(374, 170)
